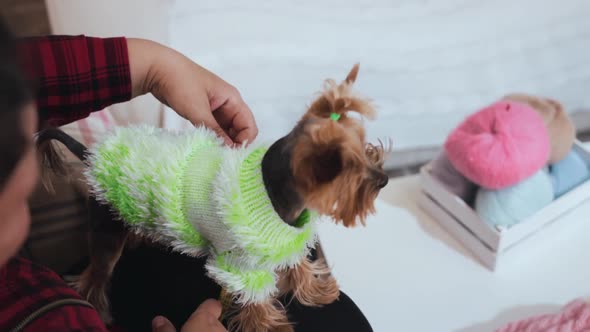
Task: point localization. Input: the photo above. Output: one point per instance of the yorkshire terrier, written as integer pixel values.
(323, 165)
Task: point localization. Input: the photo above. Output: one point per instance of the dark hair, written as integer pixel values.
(14, 95)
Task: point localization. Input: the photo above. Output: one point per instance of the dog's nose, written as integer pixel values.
(383, 181)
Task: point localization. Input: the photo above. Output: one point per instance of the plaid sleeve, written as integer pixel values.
(26, 288)
(75, 75)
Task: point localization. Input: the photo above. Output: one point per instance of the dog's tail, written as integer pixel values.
(50, 156)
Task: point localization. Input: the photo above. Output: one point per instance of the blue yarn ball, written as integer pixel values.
(568, 173)
(508, 206)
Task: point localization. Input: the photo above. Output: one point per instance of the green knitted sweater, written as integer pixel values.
(188, 191)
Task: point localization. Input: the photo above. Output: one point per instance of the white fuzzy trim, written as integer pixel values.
(234, 284)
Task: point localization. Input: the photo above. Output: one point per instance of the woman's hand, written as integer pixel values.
(189, 89)
(204, 319)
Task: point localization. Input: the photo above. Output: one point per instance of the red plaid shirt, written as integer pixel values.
(73, 76)
(76, 75)
(27, 288)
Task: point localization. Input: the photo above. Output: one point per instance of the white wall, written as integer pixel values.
(425, 63)
(113, 18)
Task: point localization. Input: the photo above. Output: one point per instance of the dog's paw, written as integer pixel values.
(311, 283)
(263, 317)
(318, 290)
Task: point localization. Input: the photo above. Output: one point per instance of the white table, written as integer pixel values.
(407, 274)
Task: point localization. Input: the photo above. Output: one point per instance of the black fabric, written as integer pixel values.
(149, 281)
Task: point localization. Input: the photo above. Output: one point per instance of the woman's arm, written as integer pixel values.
(75, 75)
(192, 91)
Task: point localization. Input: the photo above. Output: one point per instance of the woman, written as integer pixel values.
(73, 76)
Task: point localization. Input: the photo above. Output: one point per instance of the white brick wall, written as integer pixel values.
(426, 63)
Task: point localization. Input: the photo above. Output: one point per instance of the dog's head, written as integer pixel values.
(335, 171)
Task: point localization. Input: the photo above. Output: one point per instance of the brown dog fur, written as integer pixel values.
(311, 283)
(268, 316)
(332, 169)
(335, 170)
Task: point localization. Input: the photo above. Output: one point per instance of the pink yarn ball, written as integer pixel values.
(574, 317)
(499, 145)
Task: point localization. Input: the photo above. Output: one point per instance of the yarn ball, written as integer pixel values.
(500, 145)
(571, 318)
(560, 127)
(442, 170)
(508, 206)
(568, 173)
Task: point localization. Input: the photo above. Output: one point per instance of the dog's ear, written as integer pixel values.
(329, 166)
(321, 154)
(323, 164)
(351, 77)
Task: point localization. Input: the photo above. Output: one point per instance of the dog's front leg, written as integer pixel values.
(258, 317)
(107, 238)
(310, 282)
